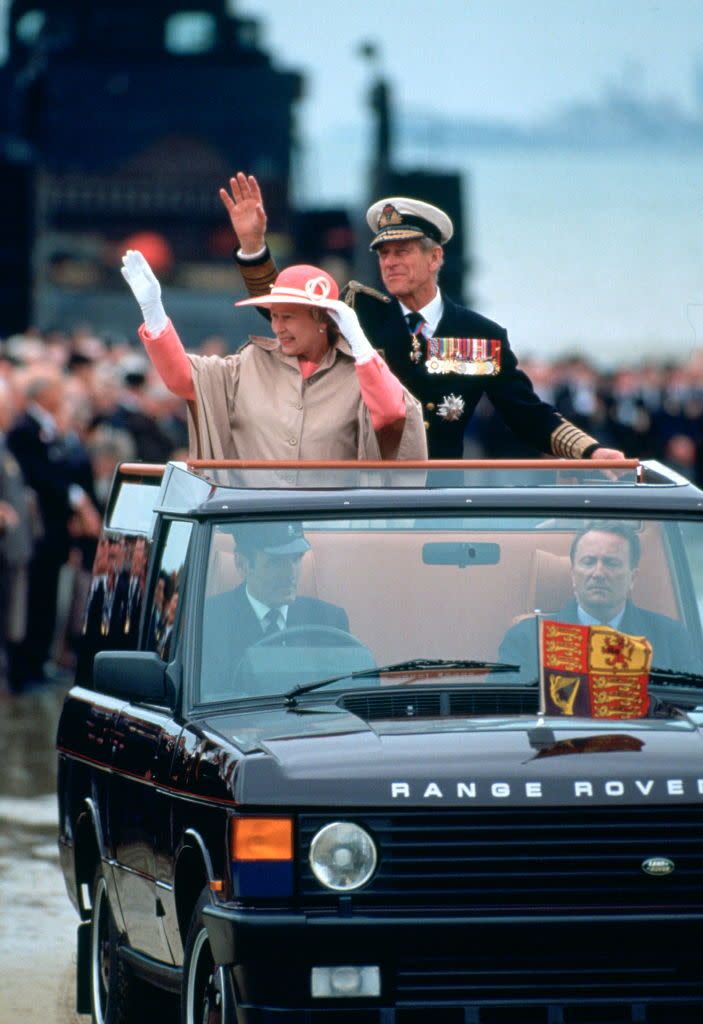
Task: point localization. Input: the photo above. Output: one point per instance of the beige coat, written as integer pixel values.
(256, 404)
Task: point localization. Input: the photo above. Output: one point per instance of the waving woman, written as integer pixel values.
(316, 390)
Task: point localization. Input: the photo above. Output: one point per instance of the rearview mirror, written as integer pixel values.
(460, 554)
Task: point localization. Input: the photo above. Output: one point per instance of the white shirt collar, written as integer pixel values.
(587, 620)
(261, 609)
(432, 312)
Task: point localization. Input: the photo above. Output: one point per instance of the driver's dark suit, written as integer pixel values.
(231, 624)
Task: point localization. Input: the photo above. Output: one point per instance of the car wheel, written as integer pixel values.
(207, 995)
(116, 996)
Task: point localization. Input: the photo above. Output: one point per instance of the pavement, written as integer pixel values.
(38, 922)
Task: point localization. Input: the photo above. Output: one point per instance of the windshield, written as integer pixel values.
(447, 601)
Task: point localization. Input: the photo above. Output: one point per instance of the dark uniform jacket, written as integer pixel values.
(671, 646)
(510, 390)
(535, 422)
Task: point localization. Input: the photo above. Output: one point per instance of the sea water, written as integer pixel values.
(600, 253)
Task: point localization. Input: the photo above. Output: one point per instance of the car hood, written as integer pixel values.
(337, 760)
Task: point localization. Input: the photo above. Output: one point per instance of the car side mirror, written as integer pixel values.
(133, 675)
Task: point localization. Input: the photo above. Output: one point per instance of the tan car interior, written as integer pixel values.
(401, 608)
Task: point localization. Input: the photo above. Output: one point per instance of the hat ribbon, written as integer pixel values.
(316, 289)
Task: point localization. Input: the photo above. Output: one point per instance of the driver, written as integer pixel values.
(269, 558)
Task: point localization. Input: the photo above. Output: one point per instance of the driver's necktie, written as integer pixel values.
(272, 621)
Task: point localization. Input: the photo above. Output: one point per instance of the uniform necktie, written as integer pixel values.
(416, 324)
(272, 621)
(415, 321)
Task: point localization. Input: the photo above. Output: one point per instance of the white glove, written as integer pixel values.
(348, 323)
(146, 289)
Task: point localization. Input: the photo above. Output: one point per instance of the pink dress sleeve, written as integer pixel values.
(170, 360)
(382, 393)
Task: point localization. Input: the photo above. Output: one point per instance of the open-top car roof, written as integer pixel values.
(213, 488)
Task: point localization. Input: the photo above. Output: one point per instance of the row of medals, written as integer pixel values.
(469, 367)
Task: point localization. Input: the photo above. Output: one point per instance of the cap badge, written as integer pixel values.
(317, 288)
(389, 215)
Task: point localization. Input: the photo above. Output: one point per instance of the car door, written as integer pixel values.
(139, 810)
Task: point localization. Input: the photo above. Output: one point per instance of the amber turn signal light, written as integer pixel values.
(262, 839)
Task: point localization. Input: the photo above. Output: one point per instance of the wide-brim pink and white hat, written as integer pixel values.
(301, 285)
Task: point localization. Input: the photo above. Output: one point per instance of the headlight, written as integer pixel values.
(342, 856)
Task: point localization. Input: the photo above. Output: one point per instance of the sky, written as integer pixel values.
(606, 247)
(515, 59)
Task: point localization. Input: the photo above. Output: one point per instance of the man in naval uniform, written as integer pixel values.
(448, 356)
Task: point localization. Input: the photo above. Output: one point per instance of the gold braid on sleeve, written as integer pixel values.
(258, 277)
(570, 442)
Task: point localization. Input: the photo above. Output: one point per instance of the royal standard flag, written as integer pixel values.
(593, 671)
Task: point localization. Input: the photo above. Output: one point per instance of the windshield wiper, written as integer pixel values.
(414, 664)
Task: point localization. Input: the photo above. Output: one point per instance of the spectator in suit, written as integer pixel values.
(106, 610)
(604, 561)
(134, 416)
(37, 443)
(135, 590)
(163, 590)
(15, 542)
(170, 610)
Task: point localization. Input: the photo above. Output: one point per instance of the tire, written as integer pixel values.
(116, 996)
(207, 995)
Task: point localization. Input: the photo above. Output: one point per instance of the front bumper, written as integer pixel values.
(646, 966)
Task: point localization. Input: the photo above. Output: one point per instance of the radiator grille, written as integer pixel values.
(484, 700)
(536, 861)
(593, 982)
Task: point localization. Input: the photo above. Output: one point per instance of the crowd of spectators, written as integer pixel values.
(648, 410)
(74, 405)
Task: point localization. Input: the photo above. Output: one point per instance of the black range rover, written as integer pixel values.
(313, 766)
